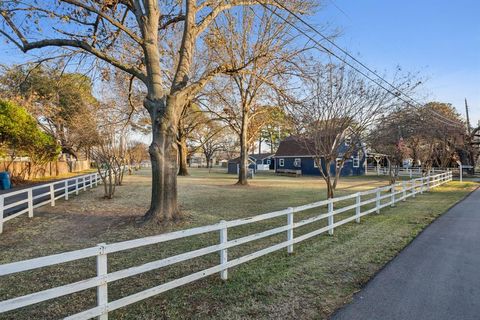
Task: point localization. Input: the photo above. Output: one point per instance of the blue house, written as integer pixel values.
(256, 162)
(293, 157)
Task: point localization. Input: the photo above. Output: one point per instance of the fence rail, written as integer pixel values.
(405, 172)
(378, 198)
(16, 203)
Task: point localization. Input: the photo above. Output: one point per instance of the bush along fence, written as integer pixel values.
(16, 203)
(337, 211)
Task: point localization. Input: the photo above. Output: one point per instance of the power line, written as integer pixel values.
(355, 59)
(445, 121)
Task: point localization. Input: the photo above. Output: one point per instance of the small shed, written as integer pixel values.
(234, 165)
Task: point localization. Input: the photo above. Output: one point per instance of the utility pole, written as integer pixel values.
(468, 118)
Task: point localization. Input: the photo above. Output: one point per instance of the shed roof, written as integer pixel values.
(253, 157)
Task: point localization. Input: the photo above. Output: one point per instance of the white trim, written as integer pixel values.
(299, 163)
(337, 163)
(357, 160)
(281, 162)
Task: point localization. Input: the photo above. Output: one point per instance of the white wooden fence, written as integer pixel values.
(376, 199)
(25, 200)
(404, 172)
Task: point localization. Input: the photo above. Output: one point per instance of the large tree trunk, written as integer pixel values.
(242, 175)
(164, 157)
(182, 151)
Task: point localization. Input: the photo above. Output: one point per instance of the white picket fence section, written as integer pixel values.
(378, 198)
(28, 196)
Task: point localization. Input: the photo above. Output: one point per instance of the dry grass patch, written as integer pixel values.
(322, 274)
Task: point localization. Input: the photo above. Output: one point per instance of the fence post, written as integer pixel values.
(76, 186)
(330, 217)
(290, 230)
(421, 185)
(102, 289)
(404, 190)
(414, 191)
(377, 202)
(2, 199)
(66, 189)
(30, 203)
(84, 184)
(96, 179)
(90, 179)
(428, 183)
(52, 195)
(392, 196)
(358, 208)
(223, 252)
(411, 173)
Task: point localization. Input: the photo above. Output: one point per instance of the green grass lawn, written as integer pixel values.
(319, 277)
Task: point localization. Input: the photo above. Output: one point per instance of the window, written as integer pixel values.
(315, 163)
(268, 161)
(338, 162)
(297, 163)
(281, 162)
(356, 162)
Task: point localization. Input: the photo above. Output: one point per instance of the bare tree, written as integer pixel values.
(264, 42)
(110, 150)
(192, 119)
(338, 114)
(391, 137)
(210, 139)
(133, 36)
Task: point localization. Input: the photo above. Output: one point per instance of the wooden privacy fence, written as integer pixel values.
(16, 203)
(376, 199)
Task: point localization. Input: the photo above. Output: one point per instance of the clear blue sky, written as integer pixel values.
(438, 38)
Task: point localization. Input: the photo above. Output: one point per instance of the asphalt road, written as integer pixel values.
(22, 196)
(436, 277)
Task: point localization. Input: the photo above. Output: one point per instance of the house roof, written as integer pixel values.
(295, 146)
(292, 146)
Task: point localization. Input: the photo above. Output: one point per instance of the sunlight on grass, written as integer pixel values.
(319, 277)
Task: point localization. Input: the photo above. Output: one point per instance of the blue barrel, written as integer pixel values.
(5, 181)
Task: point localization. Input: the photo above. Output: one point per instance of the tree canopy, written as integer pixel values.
(20, 135)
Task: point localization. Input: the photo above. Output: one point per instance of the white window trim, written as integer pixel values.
(299, 160)
(356, 162)
(337, 163)
(281, 162)
(315, 163)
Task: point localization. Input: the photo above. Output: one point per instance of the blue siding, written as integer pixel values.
(308, 167)
(232, 167)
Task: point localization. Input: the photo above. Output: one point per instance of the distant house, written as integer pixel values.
(293, 155)
(256, 162)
